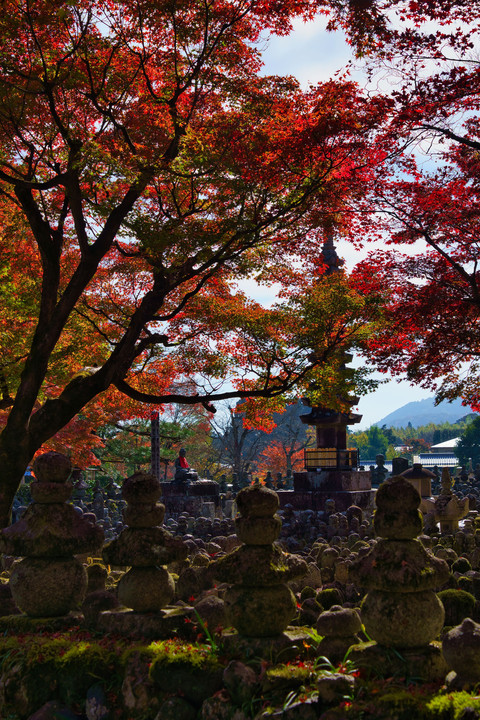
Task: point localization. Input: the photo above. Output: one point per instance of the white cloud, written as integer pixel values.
(310, 53)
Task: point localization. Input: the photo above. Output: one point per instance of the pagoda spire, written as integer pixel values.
(331, 259)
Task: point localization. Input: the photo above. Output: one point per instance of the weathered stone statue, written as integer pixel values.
(380, 471)
(184, 474)
(259, 602)
(401, 609)
(50, 581)
(461, 650)
(144, 546)
(449, 508)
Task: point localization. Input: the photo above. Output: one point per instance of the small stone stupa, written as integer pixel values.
(259, 602)
(147, 548)
(461, 650)
(50, 581)
(401, 609)
(448, 508)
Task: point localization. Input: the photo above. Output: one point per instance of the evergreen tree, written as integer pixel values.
(469, 443)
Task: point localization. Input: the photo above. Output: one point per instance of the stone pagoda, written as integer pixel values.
(331, 469)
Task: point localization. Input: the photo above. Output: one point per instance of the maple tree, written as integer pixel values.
(284, 449)
(277, 458)
(152, 166)
(274, 441)
(424, 200)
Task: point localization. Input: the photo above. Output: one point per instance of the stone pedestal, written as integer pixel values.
(313, 487)
(50, 581)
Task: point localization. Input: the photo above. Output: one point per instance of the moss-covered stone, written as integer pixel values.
(453, 706)
(80, 666)
(186, 670)
(141, 488)
(258, 530)
(461, 650)
(402, 620)
(146, 589)
(425, 664)
(328, 597)
(403, 566)
(144, 547)
(44, 587)
(37, 668)
(280, 680)
(52, 467)
(259, 566)
(260, 611)
(401, 704)
(458, 605)
(142, 515)
(401, 525)
(257, 501)
(397, 494)
(461, 565)
(339, 621)
(307, 592)
(51, 530)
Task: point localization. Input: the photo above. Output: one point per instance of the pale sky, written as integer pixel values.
(312, 55)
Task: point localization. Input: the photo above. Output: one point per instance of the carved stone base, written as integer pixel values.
(170, 622)
(425, 663)
(292, 643)
(315, 499)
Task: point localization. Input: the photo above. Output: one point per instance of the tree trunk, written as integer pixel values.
(14, 460)
(288, 465)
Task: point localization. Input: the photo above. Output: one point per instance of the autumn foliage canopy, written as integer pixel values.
(147, 168)
(423, 200)
(149, 172)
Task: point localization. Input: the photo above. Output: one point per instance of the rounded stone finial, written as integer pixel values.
(257, 501)
(397, 515)
(52, 467)
(397, 494)
(339, 621)
(141, 488)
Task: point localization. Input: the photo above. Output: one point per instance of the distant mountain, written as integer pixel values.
(423, 412)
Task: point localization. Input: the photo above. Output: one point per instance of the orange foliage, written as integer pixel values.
(274, 458)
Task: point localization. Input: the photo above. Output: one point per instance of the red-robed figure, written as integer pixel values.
(183, 472)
